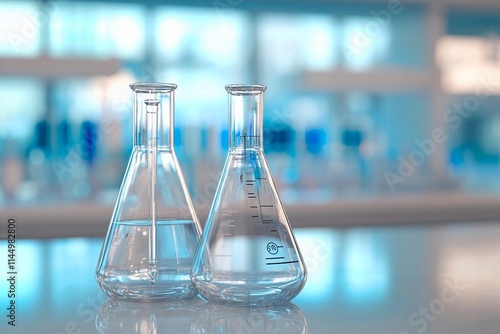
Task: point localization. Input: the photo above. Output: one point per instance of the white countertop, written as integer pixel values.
(404, 279)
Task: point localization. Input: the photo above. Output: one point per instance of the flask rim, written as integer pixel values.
(152, 87)
(240, 89)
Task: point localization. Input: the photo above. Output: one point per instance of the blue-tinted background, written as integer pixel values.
(356, 93)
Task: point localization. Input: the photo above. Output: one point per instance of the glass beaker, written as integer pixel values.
(154, 232)
(248, 254)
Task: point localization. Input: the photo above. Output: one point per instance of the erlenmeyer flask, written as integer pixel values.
(153, 234)
(248, 254)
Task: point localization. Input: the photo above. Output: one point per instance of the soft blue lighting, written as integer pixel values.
(319, 249)
(201, 36)
(22, 106)
(292, 43)
(98, 30)
(29, 266)
(366, 268)
(71, 281)
(365, 42)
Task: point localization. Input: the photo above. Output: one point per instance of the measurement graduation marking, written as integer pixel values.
(286, 262)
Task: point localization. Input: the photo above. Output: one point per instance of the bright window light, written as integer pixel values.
(202, 36)
(20, 24)
(470, 65)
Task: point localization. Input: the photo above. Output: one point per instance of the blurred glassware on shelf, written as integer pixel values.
(329, 67)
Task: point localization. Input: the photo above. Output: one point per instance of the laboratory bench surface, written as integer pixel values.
(391, 280)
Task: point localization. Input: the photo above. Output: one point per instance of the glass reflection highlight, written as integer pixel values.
(283, 319)
(29, 284)
(367, 271)
(73, 256)
(319, 249)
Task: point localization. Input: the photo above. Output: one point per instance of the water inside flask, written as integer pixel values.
(154, 232)
(248, 254)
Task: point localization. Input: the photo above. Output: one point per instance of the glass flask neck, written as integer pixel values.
(245, 116)
(162, 97)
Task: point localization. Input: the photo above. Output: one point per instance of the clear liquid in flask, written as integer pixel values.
(127, 272)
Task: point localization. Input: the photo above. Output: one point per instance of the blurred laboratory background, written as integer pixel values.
(376, 111)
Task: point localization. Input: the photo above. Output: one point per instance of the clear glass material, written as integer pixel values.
(153, 234)
(248, 254)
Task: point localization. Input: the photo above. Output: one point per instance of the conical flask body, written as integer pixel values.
(248, 254)
(153, 234)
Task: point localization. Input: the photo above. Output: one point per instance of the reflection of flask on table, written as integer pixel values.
(248, 254)
(154, 232)
(117, 317)
(283, 319)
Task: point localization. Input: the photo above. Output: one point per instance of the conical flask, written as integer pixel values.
(248, 254)
(154, 232)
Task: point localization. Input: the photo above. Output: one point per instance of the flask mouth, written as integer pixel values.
(152, 87)
(238, 89)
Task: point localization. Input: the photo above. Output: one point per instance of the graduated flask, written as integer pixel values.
(248, 254)
(153, 234)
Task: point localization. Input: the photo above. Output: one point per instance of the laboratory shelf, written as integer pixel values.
(91, 219)
(394, 80)
(50, 68)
